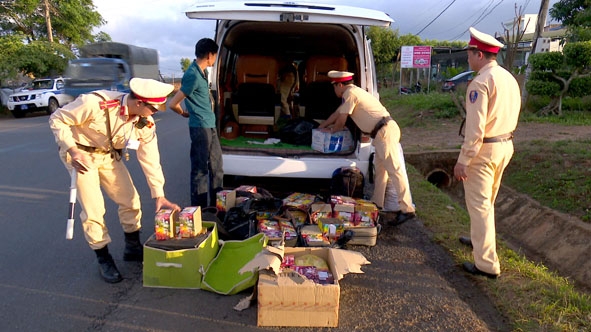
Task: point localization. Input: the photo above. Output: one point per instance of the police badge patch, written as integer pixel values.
(473, 96)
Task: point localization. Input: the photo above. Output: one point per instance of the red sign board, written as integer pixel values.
(415, 57)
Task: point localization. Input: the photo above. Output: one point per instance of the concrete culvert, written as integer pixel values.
(439, 177)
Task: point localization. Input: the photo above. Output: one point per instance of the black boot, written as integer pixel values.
(134, 252)
(107, 266)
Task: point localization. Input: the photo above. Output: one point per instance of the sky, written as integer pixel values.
(163, 25)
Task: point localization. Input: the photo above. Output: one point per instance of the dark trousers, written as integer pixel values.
(207, 174)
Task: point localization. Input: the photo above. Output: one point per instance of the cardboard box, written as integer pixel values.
(164, 224)
(298, 217)
(320, 210)
(332, 228)
(329, 143)
(286, 298)
(189, 224)
(300, 201)
(313, 237)
(180, 268)
(366, 213)
(225, 199)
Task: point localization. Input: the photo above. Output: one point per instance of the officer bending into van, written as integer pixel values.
(94, 134)
(372, 117)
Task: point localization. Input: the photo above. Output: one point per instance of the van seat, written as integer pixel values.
(318, 66)
(256, 97)
(317, 96)
(252, 68)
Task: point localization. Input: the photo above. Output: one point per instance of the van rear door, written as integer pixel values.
(288, 12)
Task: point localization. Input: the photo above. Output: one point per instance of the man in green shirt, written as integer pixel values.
(206, 153)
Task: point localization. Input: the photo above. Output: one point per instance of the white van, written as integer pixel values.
(257, 40)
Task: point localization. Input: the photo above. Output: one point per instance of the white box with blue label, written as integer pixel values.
(340, 141)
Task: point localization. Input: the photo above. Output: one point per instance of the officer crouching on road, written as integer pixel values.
(94, 134)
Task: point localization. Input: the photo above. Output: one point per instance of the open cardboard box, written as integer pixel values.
(289, 299)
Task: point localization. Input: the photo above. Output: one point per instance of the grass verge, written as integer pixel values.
(528, 294)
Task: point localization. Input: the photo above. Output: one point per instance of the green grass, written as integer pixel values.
(568, 118)
(409, 110)
(556, 174)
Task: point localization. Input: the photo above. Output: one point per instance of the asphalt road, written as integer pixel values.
(49, 283)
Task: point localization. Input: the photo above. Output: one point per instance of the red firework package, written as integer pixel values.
(164, 224)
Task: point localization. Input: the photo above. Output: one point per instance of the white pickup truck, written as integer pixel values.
(42, 94)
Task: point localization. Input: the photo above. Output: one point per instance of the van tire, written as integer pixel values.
(52, 105)
(17, 113)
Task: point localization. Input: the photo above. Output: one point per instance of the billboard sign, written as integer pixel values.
(415, 57)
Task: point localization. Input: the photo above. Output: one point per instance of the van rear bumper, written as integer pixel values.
(306, 167)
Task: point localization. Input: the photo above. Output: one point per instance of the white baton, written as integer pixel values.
(70, 227)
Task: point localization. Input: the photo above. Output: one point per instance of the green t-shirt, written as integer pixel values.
(196, 87)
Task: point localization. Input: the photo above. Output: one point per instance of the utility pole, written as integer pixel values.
(48, 22)
(542, 15)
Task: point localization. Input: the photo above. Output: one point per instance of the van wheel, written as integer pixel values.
(18, 113)
(52, 106)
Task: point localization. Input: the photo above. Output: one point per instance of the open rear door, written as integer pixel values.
(288, 12)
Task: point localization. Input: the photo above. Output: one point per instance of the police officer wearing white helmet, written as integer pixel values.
(493, 103)
(95, 133)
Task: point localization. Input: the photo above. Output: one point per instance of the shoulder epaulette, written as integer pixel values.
(106, 104)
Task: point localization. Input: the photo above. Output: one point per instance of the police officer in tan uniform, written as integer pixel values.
(95, 133)
(493, 103)
(372, 117)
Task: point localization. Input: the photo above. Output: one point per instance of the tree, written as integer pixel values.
(513, 38)
(384, 43)
(556, 74)
(576, 16)
(185, 63)
(42, 59)
(24, 27)
(72, 21)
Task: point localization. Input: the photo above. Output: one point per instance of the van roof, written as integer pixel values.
(293, 11)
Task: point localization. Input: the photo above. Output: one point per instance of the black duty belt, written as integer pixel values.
(379, 126)
(96, 150)
(497, 139)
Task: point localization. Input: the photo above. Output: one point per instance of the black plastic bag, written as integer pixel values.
(239, 224)
(298, 131)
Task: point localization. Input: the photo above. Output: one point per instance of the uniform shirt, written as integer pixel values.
(84, 122)
(493, 103)
(365, 109)
(195, 86)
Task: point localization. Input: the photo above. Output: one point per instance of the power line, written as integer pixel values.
(485, 12)
(436, 17)
(490, 12)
